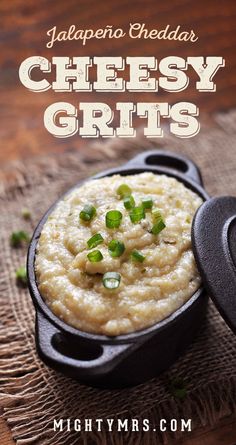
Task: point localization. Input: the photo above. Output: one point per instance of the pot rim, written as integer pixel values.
(131, 337)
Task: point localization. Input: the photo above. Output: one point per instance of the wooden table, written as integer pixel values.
(23, 28)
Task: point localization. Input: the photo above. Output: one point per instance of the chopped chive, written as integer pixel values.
(116, 248)
(147, 203)
(95, 256)
(111, 280)
(178, 389)
(88, 212)
(124, 190)
(113, 219)
(25, 213)
(129, 202)
(158, 227)
(95, 240)
(136, 214)
(137, 256)
(17, 239)
(21, 276)
(159, 223)
(156, 215)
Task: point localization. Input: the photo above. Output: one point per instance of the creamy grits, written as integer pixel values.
(151, 287)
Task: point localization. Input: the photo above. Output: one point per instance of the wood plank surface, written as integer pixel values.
(23, 28)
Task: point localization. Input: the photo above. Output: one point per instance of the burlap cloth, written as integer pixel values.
(32, 395)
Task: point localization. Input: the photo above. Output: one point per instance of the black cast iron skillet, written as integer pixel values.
(132, 358)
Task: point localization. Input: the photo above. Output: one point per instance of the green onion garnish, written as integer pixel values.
(136, 214)
(113, 219)
(26, 214)
(158, 227)
(21, 276)
(17, 239)
(159, 223)
(111, 280)
(156, 215)
(116, 248)
(87, 213)
(178, 388)
(124, 190)
(147, 203)
(129, 202)
(137, 256)
(95, 256)
(95, 240)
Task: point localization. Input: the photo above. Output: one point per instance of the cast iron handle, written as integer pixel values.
(171, 161)
(214, 247)
(108, 358)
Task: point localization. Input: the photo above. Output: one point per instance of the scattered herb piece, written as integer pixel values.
(94, 172)
(136, 214)
(17, 239)
(137, 256)
(26, 214)
(113, 219)
(124, 190)
(158, 227)
(147, 203)
(178, 389)
(111, 280)
(95, 240)
(129, 202)
(116, 248)
(159, 223)
(87, 213)
(21, 276)
(95, 256)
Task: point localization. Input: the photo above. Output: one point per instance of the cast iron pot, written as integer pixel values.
(129, 359)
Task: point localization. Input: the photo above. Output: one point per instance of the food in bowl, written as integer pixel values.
(114, 256)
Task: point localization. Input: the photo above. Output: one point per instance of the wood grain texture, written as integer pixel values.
(222, 434)
(23, 28)
(5, 433)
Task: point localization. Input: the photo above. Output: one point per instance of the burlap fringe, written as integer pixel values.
(30, 410)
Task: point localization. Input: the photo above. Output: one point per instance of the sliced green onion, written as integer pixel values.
(113, 219)
(178, 388)
(95, 240)
(111, 280)
(136, 214)
(17, 239)
(147, 203)
(21, 276)
(95, 256)
(156, 215)
(137, 256)
(26, 214)
(124, 190)
(116, 248)
(158, 227)
(87, 213)
(129, 202)
(159, 223)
